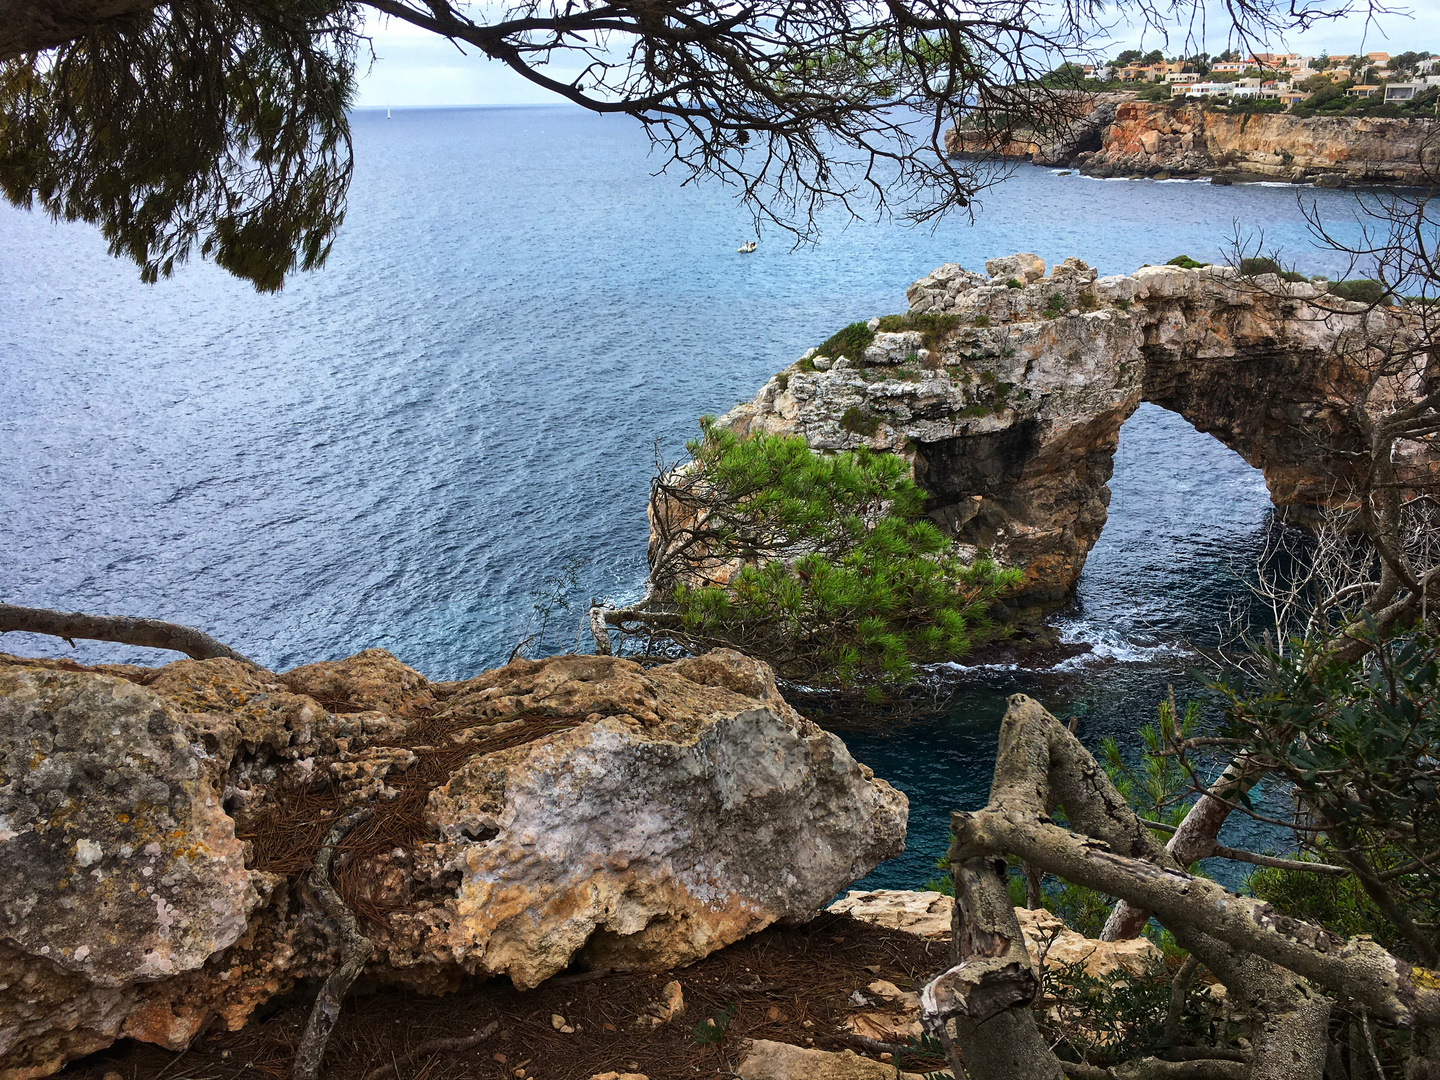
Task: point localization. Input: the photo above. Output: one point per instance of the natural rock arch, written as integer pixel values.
(1012, 421)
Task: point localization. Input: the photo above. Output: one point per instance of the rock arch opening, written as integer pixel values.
(1012, 420)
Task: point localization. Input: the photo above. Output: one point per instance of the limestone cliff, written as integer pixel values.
(156, 826)
(1011, 420)
(1192, 140)
(1115, 135)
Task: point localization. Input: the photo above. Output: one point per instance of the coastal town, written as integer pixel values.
(1374, 83)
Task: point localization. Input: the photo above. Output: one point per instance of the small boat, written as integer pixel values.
(387, 112)
(746, 249)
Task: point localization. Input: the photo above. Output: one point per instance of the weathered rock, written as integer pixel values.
(767, 1060)
(1025, 268)
(1011, 424)
(1191, 139)
(1063, 948)
(153, 828)
(926, 914)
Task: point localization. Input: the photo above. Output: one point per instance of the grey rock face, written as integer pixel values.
(578, 807)
(1011, 424)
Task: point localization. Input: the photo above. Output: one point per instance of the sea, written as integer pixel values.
(444, 437)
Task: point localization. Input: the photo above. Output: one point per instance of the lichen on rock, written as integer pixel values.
(155, 825)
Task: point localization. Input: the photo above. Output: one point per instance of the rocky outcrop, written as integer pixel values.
(1120, 136)
(1047, 939)
(1083, 132)
(1191, 140)
(1011, 417)
(155, 826)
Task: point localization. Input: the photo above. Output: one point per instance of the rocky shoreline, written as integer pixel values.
(1116, 135)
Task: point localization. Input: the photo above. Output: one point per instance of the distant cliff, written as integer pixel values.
(1128, 138)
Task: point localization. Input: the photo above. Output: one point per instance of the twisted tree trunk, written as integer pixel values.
(148, 633)
(1272, 965)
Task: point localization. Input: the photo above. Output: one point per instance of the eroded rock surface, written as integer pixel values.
(1147, 138)
(1113, 134)
(155, 824)
(929, 914)
(1011, 419)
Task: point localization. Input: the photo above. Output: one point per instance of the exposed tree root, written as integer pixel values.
(149, 633)
(355, 952)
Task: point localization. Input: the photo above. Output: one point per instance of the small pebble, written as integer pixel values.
(557, 1021)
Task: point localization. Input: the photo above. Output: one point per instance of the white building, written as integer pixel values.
(1404, 91)
(1204, 89)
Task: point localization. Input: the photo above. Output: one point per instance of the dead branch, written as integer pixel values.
(146, 633)
(1267, 961)
(355, 951)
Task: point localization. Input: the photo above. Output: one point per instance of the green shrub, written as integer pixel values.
(1335, 901)
(854, 339)
(853, 582)
(1186, 262)
(806, 364)
(1014, 283)
(934, 329)
(982, 321)
(851, 341)
(783, 381)
(1360, 290)
(1056, 306)
(1260, 265)
(1123, 305)
(856, 421)
(1257, 266)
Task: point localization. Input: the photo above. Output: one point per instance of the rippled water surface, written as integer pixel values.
(401, 449)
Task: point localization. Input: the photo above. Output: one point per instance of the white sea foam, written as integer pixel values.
(1110, 646)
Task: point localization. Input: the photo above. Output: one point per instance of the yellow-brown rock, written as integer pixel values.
(155, 824)
(1190, 139)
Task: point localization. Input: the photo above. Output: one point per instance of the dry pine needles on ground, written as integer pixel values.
(790, 984)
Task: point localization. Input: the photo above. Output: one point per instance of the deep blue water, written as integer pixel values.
(401, 449)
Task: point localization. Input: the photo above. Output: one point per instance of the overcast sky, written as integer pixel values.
(415, 68)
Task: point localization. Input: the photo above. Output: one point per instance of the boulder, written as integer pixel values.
(155, 825)
(1024, 267)
(763, 1059)
(914, 911)
(1063, 948)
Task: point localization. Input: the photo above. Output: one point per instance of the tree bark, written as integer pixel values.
(988, 991)
(1271, 965)
(1194, 839)
(149, 633)
(32, 25)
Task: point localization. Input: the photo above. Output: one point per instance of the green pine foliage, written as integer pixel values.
(851, 583)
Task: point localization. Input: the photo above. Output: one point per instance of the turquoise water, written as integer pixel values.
(399, 450)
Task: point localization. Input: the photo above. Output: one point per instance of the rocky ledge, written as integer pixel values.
(156, 826)
(1006, 392)
(1191, 140)
(1115, 135)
